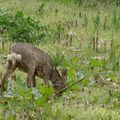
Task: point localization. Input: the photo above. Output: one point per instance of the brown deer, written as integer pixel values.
(34, 62)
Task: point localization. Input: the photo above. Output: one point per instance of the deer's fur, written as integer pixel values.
(34, 62)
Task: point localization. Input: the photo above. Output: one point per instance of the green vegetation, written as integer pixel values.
(82, 35)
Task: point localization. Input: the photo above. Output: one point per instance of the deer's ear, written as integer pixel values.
(63, 73)
(57, 71)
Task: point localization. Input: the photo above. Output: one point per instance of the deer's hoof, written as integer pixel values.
(28, 85)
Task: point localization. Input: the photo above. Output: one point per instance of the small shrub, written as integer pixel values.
(19, 28)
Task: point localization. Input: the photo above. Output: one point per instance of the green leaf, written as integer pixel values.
(71, 74)
(85, 82)
(107, 100)
(47, 91)
(95, 63)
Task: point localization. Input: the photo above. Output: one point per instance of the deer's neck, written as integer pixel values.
(54, 78)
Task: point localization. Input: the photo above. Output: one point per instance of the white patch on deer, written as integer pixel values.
(14, 57)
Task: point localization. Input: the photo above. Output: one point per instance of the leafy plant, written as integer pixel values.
(58, 59)
(95, 63)
(20, 28)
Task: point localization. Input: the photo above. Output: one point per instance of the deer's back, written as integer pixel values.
(31, 53)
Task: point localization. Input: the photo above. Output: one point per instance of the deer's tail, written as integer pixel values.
(14, 57)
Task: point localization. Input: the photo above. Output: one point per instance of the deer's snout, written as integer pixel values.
(58, 87)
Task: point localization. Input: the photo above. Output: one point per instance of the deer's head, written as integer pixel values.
(59, 79)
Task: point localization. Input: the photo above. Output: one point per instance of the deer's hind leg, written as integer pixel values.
(10, 69)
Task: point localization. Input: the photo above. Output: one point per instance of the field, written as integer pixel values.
(78, 35)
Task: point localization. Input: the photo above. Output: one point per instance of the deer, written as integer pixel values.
(35, 62)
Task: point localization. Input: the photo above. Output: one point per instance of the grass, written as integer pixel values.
(84, 101)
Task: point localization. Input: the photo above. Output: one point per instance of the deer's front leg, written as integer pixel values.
(46, 80)
(30, 76)
(33, 82)
(29, 79)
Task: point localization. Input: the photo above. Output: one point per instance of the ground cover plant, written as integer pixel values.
(80, 35)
